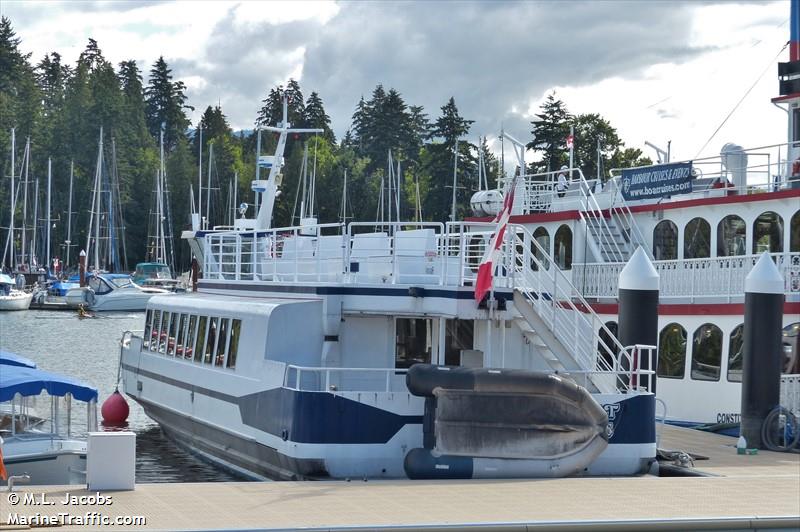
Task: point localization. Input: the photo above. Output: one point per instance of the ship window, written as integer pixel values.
(672, 351)
(148, 326)
(233, 349)
(706, 352)
(154, 333)
(606, 345)
(731, 235)
(791, 349)
(459, 335)
(735, 354)
(768, 233)
(173, 331)
(563, 247)
(794, 233)
(162, 338)
(413, 341)
(211, 340)
(190, 337)
(180, 335)
(201, 337)
(665, 240)
(219, 360)
(543, 238)
(696, 239)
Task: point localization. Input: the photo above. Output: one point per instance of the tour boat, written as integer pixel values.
(290, 361)
(38, 436)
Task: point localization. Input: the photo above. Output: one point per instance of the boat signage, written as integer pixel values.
(657, 181)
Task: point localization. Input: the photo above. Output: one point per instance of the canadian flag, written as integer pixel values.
(492, 255)
(570, 139)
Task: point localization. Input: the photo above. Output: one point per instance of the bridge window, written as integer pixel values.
(665, 241)
(697, 239)
(791, 349)
(211, 340)
(563, 247)
(233, 349)
(164, 335)
(154, 333)
(190, 337)
(735, 354)
(768, 233)
(148, 326)
(672, 351)
(201, 338)
(173, 331)
(706, 352)
(413, 341)
(606, 345)
(794, 235)
(180, 336)
(542, 238)
(731, 235)
(219, 359)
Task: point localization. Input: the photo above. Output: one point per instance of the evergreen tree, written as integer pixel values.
(165, 104)
(316, 117)
(450, 125)
(551, 129)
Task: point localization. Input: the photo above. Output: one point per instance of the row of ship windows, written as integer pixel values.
(706, 357)
(731, 237)
(204, 339)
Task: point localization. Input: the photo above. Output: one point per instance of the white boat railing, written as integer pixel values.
(327, 379)
(718, 277)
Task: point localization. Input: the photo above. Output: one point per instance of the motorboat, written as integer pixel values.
(46, 448)
(155, 275)
(112, 292)
(291, 360)
(10, 297)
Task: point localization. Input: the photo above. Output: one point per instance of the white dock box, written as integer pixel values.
(111, 461)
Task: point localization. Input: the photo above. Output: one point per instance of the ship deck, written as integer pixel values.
(742, 493)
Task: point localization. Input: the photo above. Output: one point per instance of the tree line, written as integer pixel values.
(61, 108)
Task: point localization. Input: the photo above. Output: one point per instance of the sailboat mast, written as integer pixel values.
(13, 198)
(35, 220)
(235, 195)
(96, 202)
(455, 173)
(26, 162)
(68, 241)
(161, 216)
(208, 184)
(200, 174)
(47, 217)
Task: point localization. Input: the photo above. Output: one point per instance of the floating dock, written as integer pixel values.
(740, 492)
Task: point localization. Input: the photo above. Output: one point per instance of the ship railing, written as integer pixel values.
(329, 379)
(540, 192)
(692, 279)
(564, 311)
(360, 253)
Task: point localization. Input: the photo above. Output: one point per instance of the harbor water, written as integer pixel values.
(88, 349)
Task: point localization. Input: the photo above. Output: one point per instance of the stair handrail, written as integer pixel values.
(618, 203)
(592, 208)
(573, 301)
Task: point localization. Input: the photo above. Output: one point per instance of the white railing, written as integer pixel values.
(361, 253)
(719, 277)
(568, 316)
(326, 379)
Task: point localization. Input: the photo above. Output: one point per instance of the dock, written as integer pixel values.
(740, 492)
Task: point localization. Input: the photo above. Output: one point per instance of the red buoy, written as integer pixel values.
(115, 409)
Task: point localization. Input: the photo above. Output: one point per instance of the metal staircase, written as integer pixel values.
(560, 323)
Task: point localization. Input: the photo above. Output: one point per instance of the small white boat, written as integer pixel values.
(112, 292)
(44, 449)
(10, 297)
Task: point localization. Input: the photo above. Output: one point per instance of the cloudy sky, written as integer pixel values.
(658, 70)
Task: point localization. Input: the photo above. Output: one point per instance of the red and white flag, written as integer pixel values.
(492, 254)
(570, 140)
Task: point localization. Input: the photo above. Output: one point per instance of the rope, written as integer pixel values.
(735, 107)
